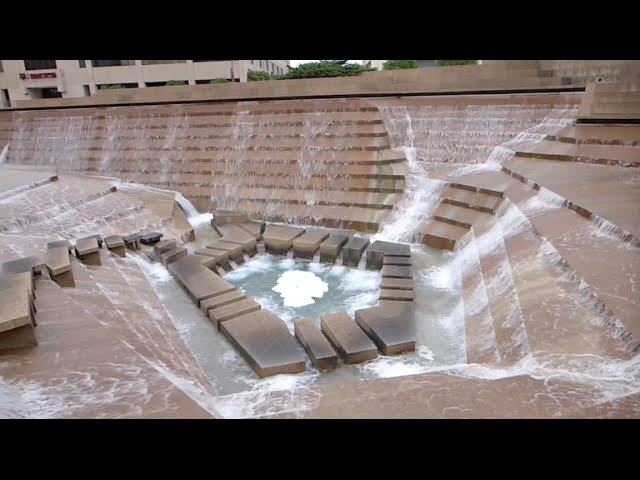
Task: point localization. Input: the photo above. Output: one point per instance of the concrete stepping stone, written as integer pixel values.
(320, 351)
(396, 283)
(132, 241)
(391, 326)
(234, 234)
(400, 295)
(21, 281)
(115, 244)
(221, 300)
(60, 243)
(331, 247)
(16, 324)
(226, 217)
(347, 338)
(88, 251)
(164, 246)
(306, 245)
(232, 310)
(234, 250)
(253, 227)
(353, 250)
(399, 261)
(279, 239)
(379, 249)
(59, 266)
(196, 278)
(172, 255)
(394, 271)
(265, 342)
(150, 238)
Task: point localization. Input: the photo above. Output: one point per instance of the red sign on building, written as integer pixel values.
(36, 76)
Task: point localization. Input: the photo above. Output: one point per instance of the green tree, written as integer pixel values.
(111, 86)
(257, 75)
(326, 68)
(399, 64)
(448, 63)
(175, 82)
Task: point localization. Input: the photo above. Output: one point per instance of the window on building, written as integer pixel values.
(82, 63)
(1, 70)
(40, 64)
(162, 62)
(5, 100)
(112, 63)
(87, 90)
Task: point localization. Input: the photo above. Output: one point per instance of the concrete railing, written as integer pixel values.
(611, 102)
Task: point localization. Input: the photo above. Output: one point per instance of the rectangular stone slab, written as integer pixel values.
(397, 283)
(200, 282)
(132, 241)
(379, 249)
(308, 243)
(85, 246)
(60, 243)
(232, 310)
(150, 238)
(388, 294)
(279, 238)
(113, 241)
(172, 255)
(221, 300)
(24, 336)
(347, 338)
(320, 351)
(399, 261)
(234, 234)
(353, 250)
(58, 260)
(391, 326)
(253, 227)
(330, 248)
(33, 264)
(164, 246)
(221, 256)
(393, 271)
(265, 342)
(235, 250)
(96, 236)
(16, 308)
(225, 217)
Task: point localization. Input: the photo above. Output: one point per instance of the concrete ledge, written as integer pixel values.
(347, 338)
(253, 227)
(20, 337)
(221, 300)
(396, 283)
(221, 256)
(264, 341)
(378, 249)
(391, 326)
(279, 239)
(58, 261)
(98, 238)
(150, 238)
(331, 247)
(398, 261)
(232, 310)
(234, 251)
(400, 295)
(32, 264)
(115, 244)
(394, 271)
(132, 241)
(194, 275)
(318, 348)
(16, 307)
(226, 217)
(306, 245)
(353, 250)
(88, 251)
(60, 243)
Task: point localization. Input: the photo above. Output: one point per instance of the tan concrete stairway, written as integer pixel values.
(461, 207)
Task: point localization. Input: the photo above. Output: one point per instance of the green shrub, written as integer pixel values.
(257, 76)
(399, 64)
(219, 80)
(175, 82)
(449, 63)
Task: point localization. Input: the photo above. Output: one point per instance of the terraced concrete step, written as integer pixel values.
(199, 282)
(307, 244)
(349, 340)
(320, 351)
(441, 235)
(459, 216)
(394, 271)
(395, 294)
(234, 234)
(279, 238)
(232, 310)
(390, 326)
(332, 246)
(379, 250)
(221, 300)
(353, 250)
(397, 283)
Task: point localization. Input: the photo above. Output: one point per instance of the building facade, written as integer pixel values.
(33, 79)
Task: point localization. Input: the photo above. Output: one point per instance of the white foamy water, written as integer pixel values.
(298, 288)
(4, 154)
(187, 207)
